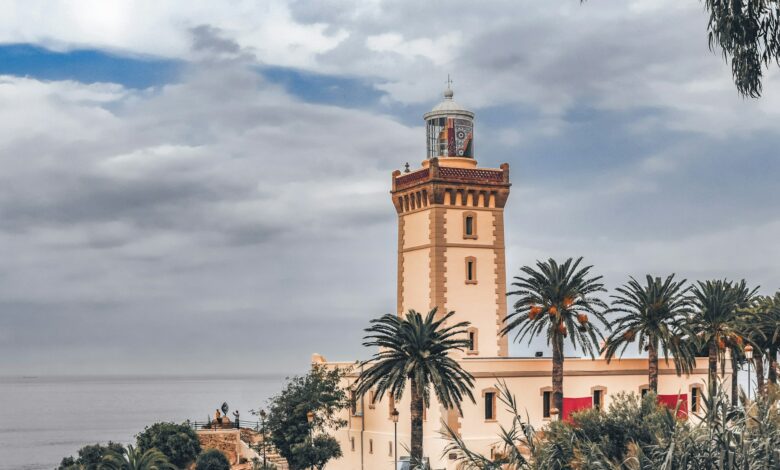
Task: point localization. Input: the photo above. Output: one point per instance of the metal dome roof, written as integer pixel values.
(447, 107)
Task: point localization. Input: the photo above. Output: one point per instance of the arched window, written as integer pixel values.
(546, 394)
(489, 395)
(473, 341)
(471, 270)
(470, 225)
(597, 393)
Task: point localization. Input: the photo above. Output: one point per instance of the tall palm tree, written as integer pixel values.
(764, 314)
(654, 315)
(556, 299)
(132, 458)
(417, 350)
(717, 321)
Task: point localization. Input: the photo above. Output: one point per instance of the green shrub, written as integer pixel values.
(212, 459)
(178, 442)
(89, 457)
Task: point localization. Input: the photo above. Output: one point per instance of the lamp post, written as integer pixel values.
(749, 357)
(394, 415)
(262, 424)
(310, 419)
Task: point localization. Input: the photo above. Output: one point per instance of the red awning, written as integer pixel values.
(670, 401)
(572, 405)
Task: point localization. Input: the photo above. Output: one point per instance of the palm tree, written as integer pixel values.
(133, 458)
(717, 322)
(556, 300)
(764, 315)
(417, 350)
(654, 315)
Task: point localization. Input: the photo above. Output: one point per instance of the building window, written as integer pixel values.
(390, 448)
(643, 390)
(598, 398)
(352, 443)
(473, 341)
(371, 398)
(470, 225)
(490, 404)
(370, 446)
(695, 399)
(471, 270)
(353, 404)
(546, 398)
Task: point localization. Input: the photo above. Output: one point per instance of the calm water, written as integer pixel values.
(45, 418)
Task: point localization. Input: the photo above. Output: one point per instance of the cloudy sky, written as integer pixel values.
(203, 186)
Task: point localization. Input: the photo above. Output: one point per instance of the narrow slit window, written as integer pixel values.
(370, 446)
(472, 340)
(695, 393)
(470, 225)
(471, 270)
(546, 396)
(490, 406)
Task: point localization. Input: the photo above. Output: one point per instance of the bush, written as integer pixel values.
(212, 459)
(178, 442)
(89, 457)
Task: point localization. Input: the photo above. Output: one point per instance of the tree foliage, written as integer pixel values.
(132, 458)
(178, 442)
(90, 457)
(417, 351)
(748, 34)
(317, 452)
(319, 392)
(557, 300)
(212, 459)
(654, 315)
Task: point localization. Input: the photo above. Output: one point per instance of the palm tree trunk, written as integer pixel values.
(734, 378)
(652, 366)
(772, 372)
(713, 366)
(416, 411)
(758, 358)
(557, 373)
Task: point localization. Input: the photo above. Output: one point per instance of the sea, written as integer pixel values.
(43, 419)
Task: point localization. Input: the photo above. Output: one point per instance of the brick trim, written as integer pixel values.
(400, 280)
(500, 274)
(438, 260)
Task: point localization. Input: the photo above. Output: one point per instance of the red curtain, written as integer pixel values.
(670, 401)
(571, 405)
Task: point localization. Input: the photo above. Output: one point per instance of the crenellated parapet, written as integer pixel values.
(438, 183)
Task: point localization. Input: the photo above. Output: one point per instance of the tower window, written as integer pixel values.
(470, 225)
(546, 397)
(370, 446)
(473, 342)
(490, 406)
(471, 270)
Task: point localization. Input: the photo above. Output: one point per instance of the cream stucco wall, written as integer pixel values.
(525, 377)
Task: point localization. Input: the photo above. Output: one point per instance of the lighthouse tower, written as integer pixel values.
(451, 230)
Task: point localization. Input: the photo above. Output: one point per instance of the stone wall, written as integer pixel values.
(226, 441)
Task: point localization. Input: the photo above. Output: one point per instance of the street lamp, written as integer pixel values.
(394, 415)
(310, 419)
(749, 357)
(262, 423)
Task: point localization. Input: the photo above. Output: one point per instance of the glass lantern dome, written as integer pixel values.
(449, 129)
